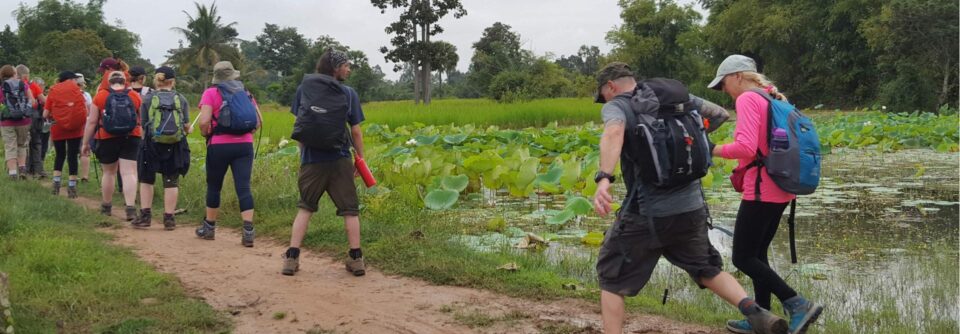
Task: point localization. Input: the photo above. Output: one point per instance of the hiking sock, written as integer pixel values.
(57, 179)
(12, 173)
(355, 253)
(293, 253)
(211, 223)
(71, 183)
(247, 225)
(748, 306)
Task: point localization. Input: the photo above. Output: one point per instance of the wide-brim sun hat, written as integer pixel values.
(224, 71)
(733, 64)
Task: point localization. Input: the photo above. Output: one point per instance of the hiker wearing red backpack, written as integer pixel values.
(116, 126)
(228, 117)
(67, 108)
(763, 201)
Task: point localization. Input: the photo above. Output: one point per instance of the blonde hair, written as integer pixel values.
(160, 80)
(23, 70)
(765, 83)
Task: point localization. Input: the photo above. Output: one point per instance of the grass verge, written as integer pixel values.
(66, 277)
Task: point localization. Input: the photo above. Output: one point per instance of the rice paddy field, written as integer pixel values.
(470, 187)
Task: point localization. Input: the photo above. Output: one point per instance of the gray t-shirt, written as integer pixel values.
(666, 202)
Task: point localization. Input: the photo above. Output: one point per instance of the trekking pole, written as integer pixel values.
(259, 139)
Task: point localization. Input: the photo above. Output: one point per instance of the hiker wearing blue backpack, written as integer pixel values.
(166, 120)
(657, 130)
(228, 117)
(116, 127)
(327, 127)
(779, 157)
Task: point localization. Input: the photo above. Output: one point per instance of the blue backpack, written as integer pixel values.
(796, 167)
(237, 114)
(120, 114)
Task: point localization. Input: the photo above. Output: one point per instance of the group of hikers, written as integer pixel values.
(654, 128)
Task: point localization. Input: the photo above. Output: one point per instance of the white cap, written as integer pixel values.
(733, 64)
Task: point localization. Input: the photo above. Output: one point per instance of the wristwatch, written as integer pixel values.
(603, 175)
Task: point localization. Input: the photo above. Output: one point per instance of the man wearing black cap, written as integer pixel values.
(655, 220)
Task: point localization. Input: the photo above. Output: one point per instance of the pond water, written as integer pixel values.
(877, 242)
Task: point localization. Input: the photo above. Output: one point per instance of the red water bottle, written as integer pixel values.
(364, 172)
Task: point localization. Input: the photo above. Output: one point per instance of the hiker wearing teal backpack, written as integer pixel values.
(166, 120)
(228, 117)
(779, 158)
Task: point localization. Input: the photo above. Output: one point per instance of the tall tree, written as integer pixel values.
(497, 50)
(210, 42)
(445, 60)
(86, 51)
(585, 62)
(280, 49)
(10, 49)
(649, 37)
(918, 47)
(412, 32)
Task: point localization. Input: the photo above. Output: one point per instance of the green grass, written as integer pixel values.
(567, 111)
(62, 270)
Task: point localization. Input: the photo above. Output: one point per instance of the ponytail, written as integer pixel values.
(764, 83)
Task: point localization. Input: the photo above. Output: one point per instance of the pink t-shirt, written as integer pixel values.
(751, 123)
(211, 97)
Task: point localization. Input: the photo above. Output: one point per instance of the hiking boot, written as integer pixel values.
(56, 188)
(23, 173)
(142, 221)
(206, 231)
(764, 322)
(802, 313)
(131, 212)
(71, 191)
(247, 239)
(84, 180)
(169, 223)
(739, 326)
(356, 266)
(291, 265)
(14, 177)
(41, 175)
(106, 209)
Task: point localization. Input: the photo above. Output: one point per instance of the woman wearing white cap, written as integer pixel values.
(762, 202)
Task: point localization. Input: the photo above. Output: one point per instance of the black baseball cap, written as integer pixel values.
(137, 71)
(168, 72)
(66, 75)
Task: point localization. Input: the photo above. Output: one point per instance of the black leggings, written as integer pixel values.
(239, 158)
(756, 225)
(67, 149)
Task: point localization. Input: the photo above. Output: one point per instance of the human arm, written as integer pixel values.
(746, 136)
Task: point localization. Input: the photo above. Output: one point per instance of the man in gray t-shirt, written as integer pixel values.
(660, 222)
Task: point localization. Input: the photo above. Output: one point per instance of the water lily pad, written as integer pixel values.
(579, 205)
(593, 238)
(514, 232)
(561, 218)
(441, 199)
(454, 139)
(455, 182)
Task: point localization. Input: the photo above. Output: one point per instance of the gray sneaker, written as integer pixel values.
(247, 239)
(764, 322)
(291, 265)
(206, 231)
(71, 192)
(358, 268)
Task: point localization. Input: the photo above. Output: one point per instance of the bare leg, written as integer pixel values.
(726, 287)
(128, 171)
(612, 311)
(352, 225)
(299, 227)
(169, 199)
(146, 196)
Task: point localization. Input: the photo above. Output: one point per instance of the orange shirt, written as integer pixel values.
(105, 83)
(101, 102)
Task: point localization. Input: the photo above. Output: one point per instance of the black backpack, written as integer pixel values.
(120, 114)
(15, 98)
(322, 115)
(665, 140)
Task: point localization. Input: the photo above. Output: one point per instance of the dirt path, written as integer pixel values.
(246, 283)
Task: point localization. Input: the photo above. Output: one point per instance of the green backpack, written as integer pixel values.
(166, 118)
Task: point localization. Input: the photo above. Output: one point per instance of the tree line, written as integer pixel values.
(837, 53)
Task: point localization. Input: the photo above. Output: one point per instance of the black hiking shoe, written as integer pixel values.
(206, 231)
(169, 223)
(142, 221)
(247, 238)
(71, 191)
(131, 212)
(106, 209)
(56, 188)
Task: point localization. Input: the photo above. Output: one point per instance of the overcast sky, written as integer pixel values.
(545, 26)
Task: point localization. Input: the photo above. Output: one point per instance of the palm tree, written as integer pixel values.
(210, 41)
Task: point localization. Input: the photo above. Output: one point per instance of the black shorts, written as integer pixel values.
(112, 149)
(335, 178)
(626, 261)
